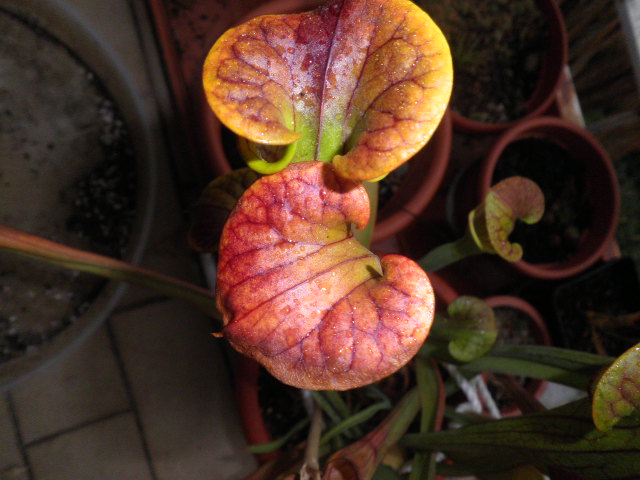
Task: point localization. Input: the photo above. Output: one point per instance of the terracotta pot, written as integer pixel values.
(540, 333)
(551, 74)
(601, 186)
(444, 292)
(247, 399)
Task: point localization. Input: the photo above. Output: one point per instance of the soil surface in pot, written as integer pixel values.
(514, 328)
(390, 185)
(67, 173)
(628, 232)
(282, 407)
(600, 311)
(568, 210)
(497, 49)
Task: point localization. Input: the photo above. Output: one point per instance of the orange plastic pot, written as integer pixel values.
(551, 75)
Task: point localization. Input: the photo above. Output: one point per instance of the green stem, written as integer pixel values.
(449, 253)
(424, 465)
(311, 466)
(364, 236)
(39, 248)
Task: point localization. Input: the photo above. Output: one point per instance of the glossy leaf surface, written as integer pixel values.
(303, 297)
(564, 438)
(211, 211)
(361, 82)
(512, 199)
(617, 392)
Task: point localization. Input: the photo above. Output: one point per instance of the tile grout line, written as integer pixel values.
(22, 448)
(74, 428)
(132, 400)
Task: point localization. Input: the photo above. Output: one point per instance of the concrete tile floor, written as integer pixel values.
(148, 396)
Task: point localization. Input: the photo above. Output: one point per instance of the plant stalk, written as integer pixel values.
(423, 466)
(449, 253)
(311, 467)
(32, 246)
(365, 235)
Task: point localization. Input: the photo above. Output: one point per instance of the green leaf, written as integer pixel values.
(429, 386)
(467, 332)
(470, 328)
(567, 367)
(491, 223)
(563, 438)
(360, 460)
(526, 472)
(512, 199)
(355, 420)
(386, 473)
(617, 392)
(279, 442)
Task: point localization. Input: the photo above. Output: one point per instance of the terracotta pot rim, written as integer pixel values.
(536, 387)
(524, 306)
(442, 289)
(604, 226)
(281, 7)
(551, 74)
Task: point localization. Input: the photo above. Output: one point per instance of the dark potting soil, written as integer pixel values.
(390, 184)
(513, 329)
(497, 49)
(68, 173)
(282, 407)
(103, 202)
(596, 310)
(567, 207)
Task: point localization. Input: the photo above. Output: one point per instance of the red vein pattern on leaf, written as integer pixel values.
(303, 297)
(374, 76)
